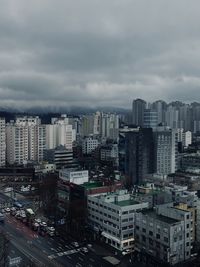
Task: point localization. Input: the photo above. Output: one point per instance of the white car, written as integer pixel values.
(84, 249)
(7, 209)
(8, 189)
(44, 224)
(127, 251)
(38, 220)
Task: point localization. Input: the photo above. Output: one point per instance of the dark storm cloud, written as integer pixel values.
(102, 53)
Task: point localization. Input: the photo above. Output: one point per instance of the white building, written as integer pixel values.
(89, 144)
(113, 215)
(184, 137)
(25, 140)
(60, 132)
(72, 176)
(165, 151)
(109, 126)
(16, 143)
(2, 142)
(172, 117)
(187, 139)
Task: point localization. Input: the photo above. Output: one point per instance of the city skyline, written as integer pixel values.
(52, 55)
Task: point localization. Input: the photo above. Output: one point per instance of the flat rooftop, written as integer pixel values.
(124, 203)
(91, 185)
(159, 217)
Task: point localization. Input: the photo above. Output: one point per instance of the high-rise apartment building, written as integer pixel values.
(160, 106)
(25, 140)
(165, 141)
(60, 132)
(138, 108)
(150, 118)
(16, 143)
(109, 126)
(172, 117)
(2, 142)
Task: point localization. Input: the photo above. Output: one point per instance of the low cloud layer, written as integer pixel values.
(98, 53)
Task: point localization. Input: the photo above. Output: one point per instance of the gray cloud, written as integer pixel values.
(102, 53)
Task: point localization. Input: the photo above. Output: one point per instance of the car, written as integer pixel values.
(127, 251)
(8, 189)
(84, 249)
(89, 245)
(43, 224)
(7, 209)
(38, 220)
(13, 211)
(75, 244)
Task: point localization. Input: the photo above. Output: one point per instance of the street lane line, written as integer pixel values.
(80, 259)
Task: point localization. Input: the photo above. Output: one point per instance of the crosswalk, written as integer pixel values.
(64, 253)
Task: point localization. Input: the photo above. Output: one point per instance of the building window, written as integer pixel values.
(143, 238)
(165, 239)
(158, 236)
(150, 233)
(150, 241)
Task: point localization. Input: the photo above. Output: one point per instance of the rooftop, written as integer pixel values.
(124, 203)
(91, 185)
(151, 213)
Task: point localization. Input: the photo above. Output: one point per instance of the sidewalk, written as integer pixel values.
(104, 250)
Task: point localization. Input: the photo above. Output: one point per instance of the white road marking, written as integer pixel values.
(60, 254)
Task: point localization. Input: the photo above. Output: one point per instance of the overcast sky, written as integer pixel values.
(98, 53)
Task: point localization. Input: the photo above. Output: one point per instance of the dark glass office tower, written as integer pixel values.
(139, 154)
(138, 108)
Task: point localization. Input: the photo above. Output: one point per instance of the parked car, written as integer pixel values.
(51, 231)
(84, 249)
(7, 209)
(127, 251)
(13, 211)
(8, 189)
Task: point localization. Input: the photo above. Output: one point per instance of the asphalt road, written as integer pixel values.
(49, 251)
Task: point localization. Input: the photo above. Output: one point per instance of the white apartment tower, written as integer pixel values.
(165, 151)
(25, 140)
(2, 142)
(60, 132)
(109, 126)
(16, 143)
